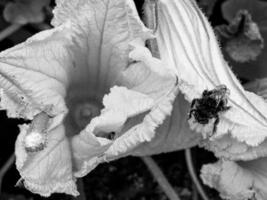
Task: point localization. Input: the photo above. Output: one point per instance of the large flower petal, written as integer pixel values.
(188, 44)
(50, 170)
(33, 79)
(33, 75)
(174, 134)
(152, 135)
(112, 119)
(237, 180)
(158, 82)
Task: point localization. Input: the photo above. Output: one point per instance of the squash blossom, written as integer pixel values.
(187, 43)
(94, 93)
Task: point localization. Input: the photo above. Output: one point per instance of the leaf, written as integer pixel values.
(188, 45)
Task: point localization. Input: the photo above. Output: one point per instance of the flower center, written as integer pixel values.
(83, 104)
(85, 112)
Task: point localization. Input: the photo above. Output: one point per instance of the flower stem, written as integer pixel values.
(194, 192)
(5, 168)
(193, 175)
(41, 26)
(9, 31)
(160, 178)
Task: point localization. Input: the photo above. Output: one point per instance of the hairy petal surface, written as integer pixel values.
(188, 44)
(237, 180)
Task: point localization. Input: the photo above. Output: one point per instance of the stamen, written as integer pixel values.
(36, 138)
(85, 112)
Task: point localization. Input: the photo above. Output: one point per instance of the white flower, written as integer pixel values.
(96, 51)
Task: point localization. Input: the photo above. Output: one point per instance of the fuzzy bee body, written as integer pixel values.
(211, 103)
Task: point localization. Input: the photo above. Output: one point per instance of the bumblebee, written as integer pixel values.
(210, 105)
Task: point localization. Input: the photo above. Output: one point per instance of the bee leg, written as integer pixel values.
(206, 93)
(190, 113)
(193, 103)
(216, 122)
(228, 107)
(191, 108)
